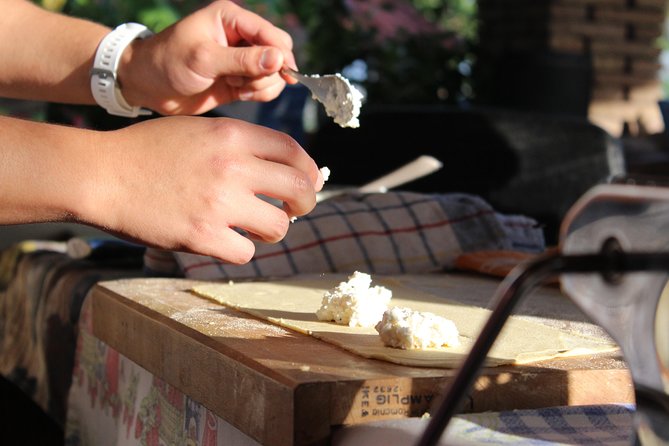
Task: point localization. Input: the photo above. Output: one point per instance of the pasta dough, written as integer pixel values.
(293, 304)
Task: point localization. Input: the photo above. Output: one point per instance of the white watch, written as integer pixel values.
(104, 83)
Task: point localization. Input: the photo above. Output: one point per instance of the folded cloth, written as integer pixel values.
(161, 263)
(605, 425)
(493, 263)
(497, 263)
(389, 233)
(39, 311)
(10, 256)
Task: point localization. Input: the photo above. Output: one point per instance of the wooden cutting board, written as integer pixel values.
(282, 387)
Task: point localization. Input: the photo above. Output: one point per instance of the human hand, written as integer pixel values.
(219, 54)
(186, 183)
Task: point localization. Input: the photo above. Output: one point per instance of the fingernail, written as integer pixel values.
(245, 95)
(269, 59)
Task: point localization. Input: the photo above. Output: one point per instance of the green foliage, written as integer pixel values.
(455, 15)
(403, 69)
(156, 14)
(272, 10)
(330, 45)
(418, 70)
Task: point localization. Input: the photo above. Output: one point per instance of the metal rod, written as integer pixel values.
(509, 294)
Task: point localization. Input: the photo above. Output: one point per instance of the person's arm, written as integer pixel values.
(178, 183)
(46, 56)
(218, 54)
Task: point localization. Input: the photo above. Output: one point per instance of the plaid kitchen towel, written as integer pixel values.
(581, 425)
(389, 233)
(594, 425)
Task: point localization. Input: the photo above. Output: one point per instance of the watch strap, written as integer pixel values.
(104, 82)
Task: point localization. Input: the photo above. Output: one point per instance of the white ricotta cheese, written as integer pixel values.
(325, 171)
(342, 102)
(355, 303)
(408, 329)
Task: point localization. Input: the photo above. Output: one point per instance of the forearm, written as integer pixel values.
(219, 54)
(144, 183)
(48, 172)
(46, 56)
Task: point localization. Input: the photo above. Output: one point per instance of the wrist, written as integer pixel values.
(77, 165)
(99, 194)
(52, 165)
(132, 74)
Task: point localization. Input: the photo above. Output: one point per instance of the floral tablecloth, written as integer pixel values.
(114, 401)
(41, 293)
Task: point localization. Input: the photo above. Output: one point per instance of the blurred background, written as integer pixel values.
(528, 103)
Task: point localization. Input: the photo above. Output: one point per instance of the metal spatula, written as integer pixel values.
(420, 167)
(319, 85)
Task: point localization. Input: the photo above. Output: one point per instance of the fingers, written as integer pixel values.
(280, 148)
(260, 220)
(261, 95)
(261, 90)
(253, 61)
(264, 221)
(278, 166)
(219, 54)
(286, 184)
(248, 66)
(245, 27)
(208, 192)
(230, 246)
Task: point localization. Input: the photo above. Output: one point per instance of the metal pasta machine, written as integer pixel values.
(612, 262)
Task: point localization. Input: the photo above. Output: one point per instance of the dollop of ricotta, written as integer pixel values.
(408, 329)
(355, 303)
(325, 171)
(343, 102)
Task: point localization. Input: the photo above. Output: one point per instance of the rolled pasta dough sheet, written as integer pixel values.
(293, 303)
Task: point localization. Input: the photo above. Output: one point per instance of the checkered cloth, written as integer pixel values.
(587, 425)
(605, 425)
(390, 233)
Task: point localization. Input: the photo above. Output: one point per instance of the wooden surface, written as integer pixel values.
(282, 387)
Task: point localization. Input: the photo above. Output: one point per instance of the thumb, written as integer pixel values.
(253, 61)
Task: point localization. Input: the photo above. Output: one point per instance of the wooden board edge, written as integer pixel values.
(120, 326)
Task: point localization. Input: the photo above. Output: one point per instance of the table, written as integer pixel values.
(284, 388)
